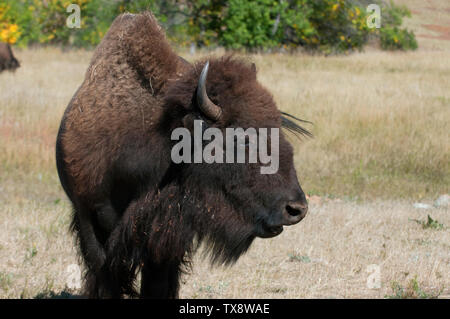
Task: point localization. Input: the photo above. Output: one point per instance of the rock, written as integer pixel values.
(442, 201)
(421, 206)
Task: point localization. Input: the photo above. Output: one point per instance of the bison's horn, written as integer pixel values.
(208, 108)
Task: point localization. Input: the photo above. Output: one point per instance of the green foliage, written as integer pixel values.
(295, 257)
(328, 26)
(248, 24)
(265, 24)
(341, 26)
(40, 21)
(429, 223)
(411, 291)
(392, 36)
(96, 17)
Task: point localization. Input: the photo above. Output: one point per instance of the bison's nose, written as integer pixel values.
(295, 212)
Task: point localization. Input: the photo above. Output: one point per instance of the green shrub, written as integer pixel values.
(39, 21)
(248, 24)
(328, 26)
(392, 36)
(341, 26)
(264, 24)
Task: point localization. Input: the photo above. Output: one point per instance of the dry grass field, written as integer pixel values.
(381, 143)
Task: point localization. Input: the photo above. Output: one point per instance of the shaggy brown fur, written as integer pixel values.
(134, 209)
(7, 59)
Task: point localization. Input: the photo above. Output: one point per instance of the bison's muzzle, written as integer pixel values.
(288, 214)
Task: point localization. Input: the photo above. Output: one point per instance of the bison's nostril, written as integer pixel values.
(295, 209)
(292, 210)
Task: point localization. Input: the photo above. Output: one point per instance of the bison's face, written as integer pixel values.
(263, 199)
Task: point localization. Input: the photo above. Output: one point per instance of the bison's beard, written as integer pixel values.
(171, 225)
(225, 233)
(226, 241)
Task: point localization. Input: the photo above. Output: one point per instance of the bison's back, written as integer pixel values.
(119, 103)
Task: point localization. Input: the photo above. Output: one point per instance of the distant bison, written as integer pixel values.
(7, 59)
(134, 208)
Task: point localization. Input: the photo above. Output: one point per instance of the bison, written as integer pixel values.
(134, 209)
(7, 59)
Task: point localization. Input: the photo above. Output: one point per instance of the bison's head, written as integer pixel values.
(224, 93)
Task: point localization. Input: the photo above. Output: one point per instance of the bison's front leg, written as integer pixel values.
(160, 281)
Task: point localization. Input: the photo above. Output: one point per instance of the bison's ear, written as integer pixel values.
(253, 67)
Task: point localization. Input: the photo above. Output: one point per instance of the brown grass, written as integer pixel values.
(328, 254)
(380, 121)
(381, 142)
